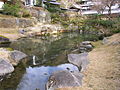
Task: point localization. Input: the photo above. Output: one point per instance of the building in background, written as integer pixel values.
(86, 7)
(2, 3)
(29, 2)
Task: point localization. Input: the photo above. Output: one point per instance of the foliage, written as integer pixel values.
(60, 18)
(103, 23)
(94, 24)
(39, 2)
(116, 28)
(11, 9)
(52, 8)
(90, 37)
(26, 13)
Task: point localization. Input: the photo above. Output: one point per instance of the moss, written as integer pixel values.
(3, 36)
(9, 49)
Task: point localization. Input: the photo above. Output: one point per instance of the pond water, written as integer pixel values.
(48, 50)
(37, 77)
(46, 55)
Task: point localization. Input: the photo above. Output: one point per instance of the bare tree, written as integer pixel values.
(109, 4)
(102, 4)
(98, 6)
(67, 3)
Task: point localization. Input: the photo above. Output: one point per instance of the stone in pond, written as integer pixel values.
(80, 60)
(64, 79)
(16, 56)
(5, 67)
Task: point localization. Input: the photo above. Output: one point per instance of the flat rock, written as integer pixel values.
(5, 67)
(63, 79)
(85, 46)
(13, 57)
(86, 42)
(80, 60)
(16, 56)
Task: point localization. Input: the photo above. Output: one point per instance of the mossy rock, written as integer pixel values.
(3, 38)
(4, 41)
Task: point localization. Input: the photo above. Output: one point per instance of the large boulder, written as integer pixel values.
(5, 67)
(13, 57)
(4, 53)
(16, 56)
(85, 46)
(80, 60)
(63, 79)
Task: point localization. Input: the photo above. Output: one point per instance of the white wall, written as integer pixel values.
(31, 2)
(1, 4)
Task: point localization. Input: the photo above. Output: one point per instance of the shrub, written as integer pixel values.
(11, 9)
(106, 23)
(25, 13)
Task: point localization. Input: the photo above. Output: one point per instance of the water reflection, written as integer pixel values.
(47, 48)
(37, 77)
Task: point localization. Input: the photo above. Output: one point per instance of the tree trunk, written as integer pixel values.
(109, 13)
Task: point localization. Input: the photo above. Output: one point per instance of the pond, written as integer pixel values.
(46, 55)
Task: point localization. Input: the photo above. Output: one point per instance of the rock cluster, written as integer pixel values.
(85, 46)
(67, 78)
(43, 29)
(9, 59)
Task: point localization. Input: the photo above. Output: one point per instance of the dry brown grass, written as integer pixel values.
(8, 31)
(103, 72)
(11, 33)
(6, 16)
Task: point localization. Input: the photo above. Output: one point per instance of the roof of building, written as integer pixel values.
(77, 6)
(95, 12)
(56, 3)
